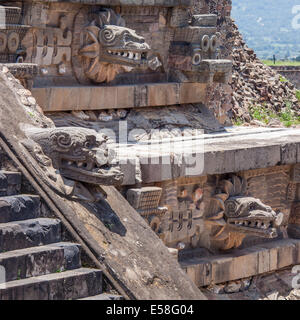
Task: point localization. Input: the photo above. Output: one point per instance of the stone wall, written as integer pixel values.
(219, 96)
(292, 73)
(253, 83)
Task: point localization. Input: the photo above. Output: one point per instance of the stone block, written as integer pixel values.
(29, 233)
(120, 96)
(144, 198)
(219, 162)
(244, 263)
(289, 153)
(286, 255)
(199, 270)
(204, 20)
(73, 284)
(36, 261)
(298, 153)
(125, 96)
(156, 168)
(129, 170)
(163, 94)
(20, 207)
(192, 92)
(295, 173)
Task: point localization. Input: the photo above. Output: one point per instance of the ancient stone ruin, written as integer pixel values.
(117, 152)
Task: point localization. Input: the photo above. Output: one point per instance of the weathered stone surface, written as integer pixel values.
(10, 183)
(292, 73)
(74, 284)
(80, 154)
(279, 285)
(41, 260)
(110, 230)
(19, 207)
(243, 263)
(29, 233)
(24, 255)
(97, 98)
(232, 151)
(116, 234)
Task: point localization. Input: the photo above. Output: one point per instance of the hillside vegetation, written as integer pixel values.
(267, 26)
(282, 63)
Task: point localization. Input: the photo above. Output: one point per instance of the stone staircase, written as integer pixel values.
(37, 264)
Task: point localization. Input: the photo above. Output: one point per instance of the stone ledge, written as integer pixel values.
(244, 263)
(114, 97)
(233, 151)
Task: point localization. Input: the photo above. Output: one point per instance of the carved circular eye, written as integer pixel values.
(126, 37)
(107, 35)
(87, 144)
(205, 43)
(213, 43)
(196, 58)
(3, 41)
(231, 208)
(13, 42)
(63, 140)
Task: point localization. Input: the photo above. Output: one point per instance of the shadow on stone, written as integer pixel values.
(107, 216)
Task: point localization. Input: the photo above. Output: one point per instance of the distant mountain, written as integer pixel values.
(268, 26)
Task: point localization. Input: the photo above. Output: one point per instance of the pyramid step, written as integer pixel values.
(37, 261)
(68, 285)
(104, 296)
(10, 183)
(29, 233)
(19, 207)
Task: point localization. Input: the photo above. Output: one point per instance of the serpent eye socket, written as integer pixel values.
(77, 151)
(252, 206)
(196, 58)
(213, 43)
(127, 37)
(107, 35)
(87, 144)
(205, 43)
(90, 142)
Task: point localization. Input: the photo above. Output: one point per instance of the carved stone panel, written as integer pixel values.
(125, 44)
(146, 201)
(212, 212)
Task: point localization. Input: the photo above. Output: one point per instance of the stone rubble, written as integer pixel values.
(255, 84)
(270, 286)
(231, 286)
(33, 110)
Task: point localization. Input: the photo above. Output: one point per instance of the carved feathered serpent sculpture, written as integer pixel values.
(110, 48)
(232, 215)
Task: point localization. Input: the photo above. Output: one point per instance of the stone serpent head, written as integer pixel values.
(79, 154)
(110, 48)
(234, 216)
